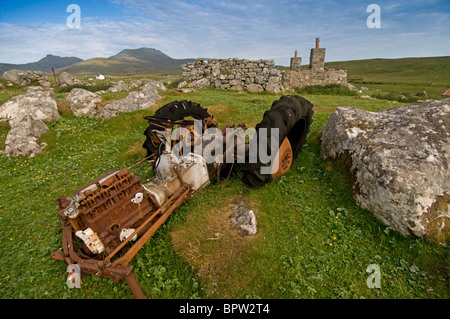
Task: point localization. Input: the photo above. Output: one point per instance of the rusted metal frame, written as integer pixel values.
(107, 260)
(126, 258)
(104, 196)
(57, 81)
(177, 171)
(135, 164)
(134, 286)
(229, 174)
(198, 190)
(90, 266)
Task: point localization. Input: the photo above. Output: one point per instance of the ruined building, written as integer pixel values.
(316, 74)
(260, 75)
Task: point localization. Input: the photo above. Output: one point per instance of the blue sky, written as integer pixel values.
(254, 29)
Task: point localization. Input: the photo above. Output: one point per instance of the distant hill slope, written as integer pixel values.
(128, 62)
(44, 64)
(404, 76)
(419, 71)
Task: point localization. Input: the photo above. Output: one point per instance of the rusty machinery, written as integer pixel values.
(109, 220)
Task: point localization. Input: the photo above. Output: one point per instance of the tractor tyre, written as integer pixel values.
(176, 110)
(292, 115)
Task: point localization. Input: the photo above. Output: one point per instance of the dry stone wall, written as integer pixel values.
(234, 74)
(261, 75)
(306, 77)
(256, 75)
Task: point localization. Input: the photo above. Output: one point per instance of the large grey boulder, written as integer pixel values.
(399, 159)
(67, 79)
(135, 100)
(23, 139)
(40, 104)
(23, 78)
(83, 102)
(118, 87)
(122, 86)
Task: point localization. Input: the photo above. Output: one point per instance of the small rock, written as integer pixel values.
(244, 218)
(255, 88)
(202, 83)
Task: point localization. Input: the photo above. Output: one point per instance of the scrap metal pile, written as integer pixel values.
(108, 221)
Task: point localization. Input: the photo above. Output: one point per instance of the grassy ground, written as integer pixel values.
(313, 241)
(406, 76)
(393, 78)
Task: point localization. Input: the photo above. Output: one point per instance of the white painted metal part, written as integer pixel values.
(91, 240)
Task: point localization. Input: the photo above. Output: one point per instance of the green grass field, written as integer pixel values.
(313, 241)
(406, 76)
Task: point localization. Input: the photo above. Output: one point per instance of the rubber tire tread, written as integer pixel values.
(292, 115)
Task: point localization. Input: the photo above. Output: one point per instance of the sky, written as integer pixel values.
(253, 29)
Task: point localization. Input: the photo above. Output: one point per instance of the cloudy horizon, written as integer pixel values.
(218, 29)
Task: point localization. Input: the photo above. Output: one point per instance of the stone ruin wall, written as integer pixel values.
(261, 75)
(296, 79)
(233, 74)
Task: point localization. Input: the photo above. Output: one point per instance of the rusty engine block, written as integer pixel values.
(104, 217)
(102, 213)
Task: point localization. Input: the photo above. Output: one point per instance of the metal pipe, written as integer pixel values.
(118, 248)
(126, 258)
(134, 286)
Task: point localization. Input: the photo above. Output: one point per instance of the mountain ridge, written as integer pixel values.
(128, 62)
(45, 64)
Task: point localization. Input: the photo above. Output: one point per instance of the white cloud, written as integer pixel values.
(246, 29)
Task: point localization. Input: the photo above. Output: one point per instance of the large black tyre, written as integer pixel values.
(176, 110)
(292, 115)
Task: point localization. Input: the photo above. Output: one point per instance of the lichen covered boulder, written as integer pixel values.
(83, 102)
(399, 161)
(135, 100)
(23, 139)
(40, 104)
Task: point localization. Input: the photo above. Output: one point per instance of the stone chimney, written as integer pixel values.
(317, 58)
(296, 62)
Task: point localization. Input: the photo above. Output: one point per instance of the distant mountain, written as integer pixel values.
(44, 64)
(128, 62)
